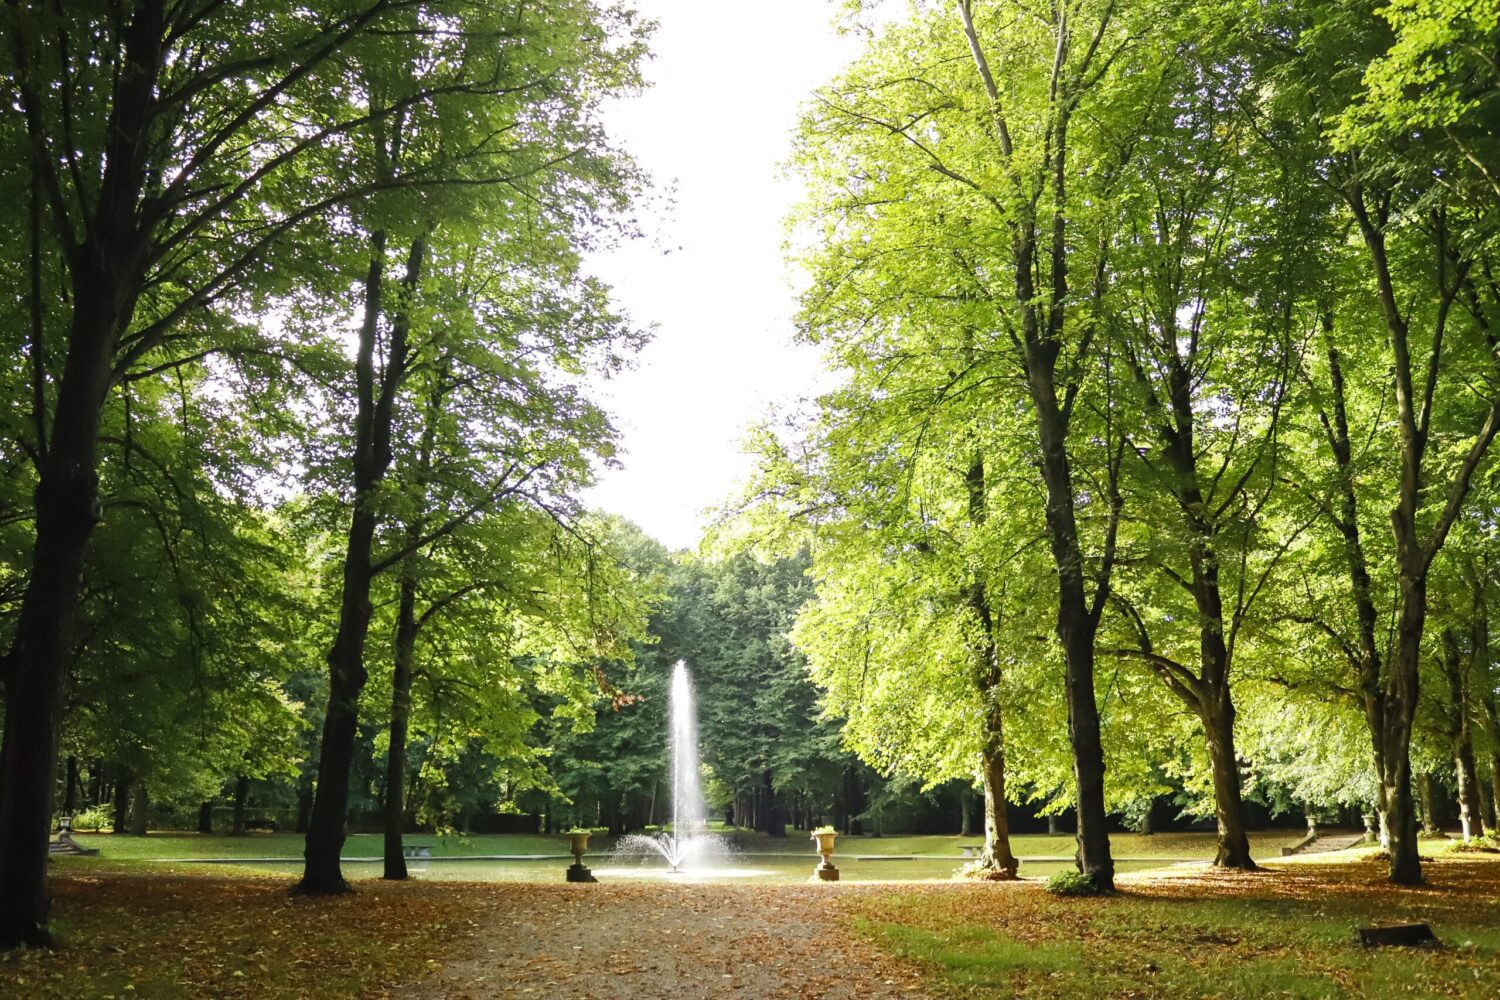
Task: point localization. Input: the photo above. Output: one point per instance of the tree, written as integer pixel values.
(540, 199)
(161, 140)
(1422, 243)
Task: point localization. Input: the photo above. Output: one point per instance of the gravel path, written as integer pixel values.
(644, 941)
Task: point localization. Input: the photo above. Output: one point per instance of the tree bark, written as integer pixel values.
(140, 808)
(997, 852)
(122, 803)
(105, 273)
(1366, 658)
(395, 767)
(1460, 737)
(1431, 825)
(988, 678)
(374, 418)
(1234, 840)
(1401, 709)
(70, 786)
(241, 799)
(206, 816)
(1206, 691)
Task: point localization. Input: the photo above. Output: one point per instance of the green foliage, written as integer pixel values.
(1071, 883)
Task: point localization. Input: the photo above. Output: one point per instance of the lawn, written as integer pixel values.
(165, 845)
(1285, 932)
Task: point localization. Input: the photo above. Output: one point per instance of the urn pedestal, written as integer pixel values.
(825, 870)
(578, 871)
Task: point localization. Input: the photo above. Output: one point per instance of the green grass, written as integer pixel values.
(159, 845)
(1282, 933)
(289, 845)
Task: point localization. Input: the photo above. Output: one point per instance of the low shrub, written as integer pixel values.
(94, 819)
(1071, 883)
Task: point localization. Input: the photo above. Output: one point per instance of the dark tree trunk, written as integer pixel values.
(1366, 660)
(1460, 737)
(1401, 708)
(988, 678)
(206, 817)
(122, 802)
(1166, 379)
(70, 787)
(1229, 810)
(1432, 824)
(616, 817)
(395, 762)
(322, 873)
(241, 800)
(1145, 827)
(304, 805)
(1053, 828)
(1076, 627)
(965, 813)
(140, 809)
(405, 641)
(105, 274)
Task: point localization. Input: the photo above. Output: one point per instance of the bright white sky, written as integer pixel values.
(728, 81)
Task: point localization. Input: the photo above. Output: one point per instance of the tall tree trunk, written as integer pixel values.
(70, 786)
(997, 852)
(988, 678)
(1166, 379)
(140, 809)
(965, 813)
(304, 805)
(1401, 709)
(1076, 627)
(241, 800)
(395, 762)
(1054, 829)
(1460, 737)
(206, 816)
(105, 275)
(1417, 539)
(1366, 659)
(347, 674)
(1431, 824)
(122, 802)
(1234, 839)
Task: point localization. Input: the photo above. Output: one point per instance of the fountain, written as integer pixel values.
(685, 841)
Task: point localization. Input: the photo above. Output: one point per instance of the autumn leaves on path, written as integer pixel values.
(642, 941)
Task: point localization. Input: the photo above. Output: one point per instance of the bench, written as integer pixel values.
(268, 825)
(417, 852)
(971, 850)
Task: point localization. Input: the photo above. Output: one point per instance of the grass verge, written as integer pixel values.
(1284, 932)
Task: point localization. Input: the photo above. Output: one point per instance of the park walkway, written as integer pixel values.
(648, 940)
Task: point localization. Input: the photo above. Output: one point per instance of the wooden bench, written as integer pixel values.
(971, 850)
(417, 852)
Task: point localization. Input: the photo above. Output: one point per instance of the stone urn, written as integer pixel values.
(578, 844)
(825, 837)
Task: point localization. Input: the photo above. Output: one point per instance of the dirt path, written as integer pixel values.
(636, 941)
